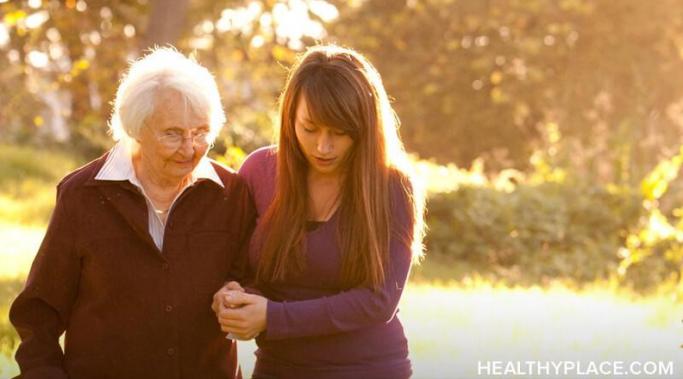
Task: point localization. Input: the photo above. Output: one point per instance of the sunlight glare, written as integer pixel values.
(257, 41)
(81, 6)
(326, 11)
(53, 35)
(4, 35)
(20, 244)
(37, 59)
(239, 19)
(129, 31)
(36, 19)
(293, 23)
(56, 51)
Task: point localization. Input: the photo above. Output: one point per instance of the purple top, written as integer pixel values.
(315, 328)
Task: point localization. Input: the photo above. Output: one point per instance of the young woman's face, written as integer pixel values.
(326, 148)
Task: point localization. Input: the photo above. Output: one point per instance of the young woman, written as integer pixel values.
(340, 223)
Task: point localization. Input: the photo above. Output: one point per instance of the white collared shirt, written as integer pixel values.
(119, 167)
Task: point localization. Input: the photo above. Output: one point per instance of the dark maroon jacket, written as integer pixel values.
(129, 310)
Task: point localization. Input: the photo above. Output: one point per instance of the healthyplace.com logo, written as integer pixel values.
(575, 368)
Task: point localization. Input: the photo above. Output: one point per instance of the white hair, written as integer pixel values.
(162, 69)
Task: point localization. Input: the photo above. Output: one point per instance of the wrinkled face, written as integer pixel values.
(173, 138)
(325, 148)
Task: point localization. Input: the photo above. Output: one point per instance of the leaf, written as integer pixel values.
(13, 18)
(656, 183)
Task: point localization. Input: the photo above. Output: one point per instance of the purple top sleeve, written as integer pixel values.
(350, 310)
(345, 311)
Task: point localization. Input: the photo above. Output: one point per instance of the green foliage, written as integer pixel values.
(471, 79)
(657, 182)
(18, 163)
(61, 65)
(534, 233)
(233, 157)
(654, 252)
(549, 224)
(482, 78)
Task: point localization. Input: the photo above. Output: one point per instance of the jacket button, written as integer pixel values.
(170, 351)
(169, 308)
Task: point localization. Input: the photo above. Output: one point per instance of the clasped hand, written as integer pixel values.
(240, 313)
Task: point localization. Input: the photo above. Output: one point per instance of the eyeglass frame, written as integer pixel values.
(179, 137)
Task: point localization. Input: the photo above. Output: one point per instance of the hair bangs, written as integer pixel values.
(332, 102)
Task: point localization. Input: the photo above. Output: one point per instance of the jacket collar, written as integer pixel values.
(118, 166)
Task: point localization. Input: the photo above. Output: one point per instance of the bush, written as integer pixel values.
(21, 162)
(533, 233)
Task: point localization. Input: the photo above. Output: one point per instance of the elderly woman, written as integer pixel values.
(139, 241)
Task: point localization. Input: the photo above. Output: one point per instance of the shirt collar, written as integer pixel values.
(119, 167)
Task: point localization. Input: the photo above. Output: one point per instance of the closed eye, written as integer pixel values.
(172, 133)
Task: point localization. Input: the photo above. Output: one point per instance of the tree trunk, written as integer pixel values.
(166, 21)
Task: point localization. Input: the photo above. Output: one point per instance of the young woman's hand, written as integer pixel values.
(243, 315)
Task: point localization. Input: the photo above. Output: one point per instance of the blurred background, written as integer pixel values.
(549, 134)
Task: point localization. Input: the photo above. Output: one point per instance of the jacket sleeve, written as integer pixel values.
(41, 311)
(358, 307)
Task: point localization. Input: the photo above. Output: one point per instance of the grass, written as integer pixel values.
(19, 245)
(483, 323)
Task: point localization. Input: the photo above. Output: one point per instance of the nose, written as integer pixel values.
(187, 147)
(325, 144)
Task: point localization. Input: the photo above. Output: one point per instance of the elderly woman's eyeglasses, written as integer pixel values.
(174, 138)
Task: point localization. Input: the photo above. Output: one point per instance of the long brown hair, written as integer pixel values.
(343, 90)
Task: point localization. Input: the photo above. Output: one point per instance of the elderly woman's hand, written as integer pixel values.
(218, 303)
(244, 315)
